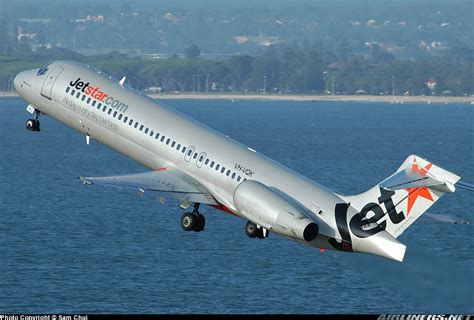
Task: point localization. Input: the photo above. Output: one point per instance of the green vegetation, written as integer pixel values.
(289, 71)
(266, 46)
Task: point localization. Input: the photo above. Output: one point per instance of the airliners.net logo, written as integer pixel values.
(424, 317)
(96, 93)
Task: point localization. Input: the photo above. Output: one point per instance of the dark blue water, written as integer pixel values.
(68, 248)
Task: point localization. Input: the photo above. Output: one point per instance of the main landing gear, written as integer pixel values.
(34, 124)
(254, 231)
(193, 221)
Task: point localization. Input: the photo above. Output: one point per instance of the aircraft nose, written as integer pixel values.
(19, 80)
(24, 80)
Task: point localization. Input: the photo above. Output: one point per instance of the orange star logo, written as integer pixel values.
(414, 193)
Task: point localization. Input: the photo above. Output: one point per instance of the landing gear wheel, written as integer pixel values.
(200, 222)
(188, 221)
(33, 125)
(260, 234)
(193, 220)
(251, 230)
(30, 124)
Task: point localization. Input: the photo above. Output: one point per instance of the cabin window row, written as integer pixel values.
(216, 166)
(152, 133)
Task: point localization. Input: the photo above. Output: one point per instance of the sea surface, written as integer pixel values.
(70, 248)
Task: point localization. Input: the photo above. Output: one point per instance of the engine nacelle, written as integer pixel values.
(267, 208)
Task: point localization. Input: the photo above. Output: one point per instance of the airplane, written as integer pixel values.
(197, 165)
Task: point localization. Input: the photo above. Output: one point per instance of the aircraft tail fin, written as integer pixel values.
(408, 193)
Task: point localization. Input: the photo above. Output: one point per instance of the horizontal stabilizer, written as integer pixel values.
(412, 175)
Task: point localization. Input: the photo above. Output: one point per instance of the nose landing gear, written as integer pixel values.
(34, 124)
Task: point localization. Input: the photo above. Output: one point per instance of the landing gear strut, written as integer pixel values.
(34, 124)
(254, 231)
(193, 221)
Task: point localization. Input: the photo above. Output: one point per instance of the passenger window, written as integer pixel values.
(125, 120)
(78, 94)
(162, 138)
(184, 149)
(136, 125)
(206, 162)
(110, 111)
(115, 114)
(120, 117)
(168, 141)
(88, 100)
(223, 169)
(99, 105)
(212, 164)
(238, 178)
(141, 127)
(146, 130)
(233, 175)
(130, 122)
(195, 155)
(67, 89)
(104, 108)
(187, 156)
(72, 92)
(228, 172)
(83, 97)
(157, 135)
(202, 156)
(218, 166)
(93, 103)
(178, 147)
(172, 144)
(151, 133)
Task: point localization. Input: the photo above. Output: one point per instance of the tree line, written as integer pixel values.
(288, 71)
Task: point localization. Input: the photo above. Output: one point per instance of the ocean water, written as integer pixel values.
(70, 248)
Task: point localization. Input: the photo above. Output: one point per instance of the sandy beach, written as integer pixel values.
(345, 98)
(286, 97)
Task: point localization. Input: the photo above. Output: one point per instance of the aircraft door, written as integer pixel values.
(48, 83)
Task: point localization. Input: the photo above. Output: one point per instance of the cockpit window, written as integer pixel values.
(42, 70)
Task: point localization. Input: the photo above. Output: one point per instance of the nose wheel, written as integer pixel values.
(33, 124)
(193, 221)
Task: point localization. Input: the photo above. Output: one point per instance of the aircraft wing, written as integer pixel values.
(165, 182)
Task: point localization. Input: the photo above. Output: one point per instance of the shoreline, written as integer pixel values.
(326, 98)
(300, 97)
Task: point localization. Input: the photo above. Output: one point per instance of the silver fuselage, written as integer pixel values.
(54, 97)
